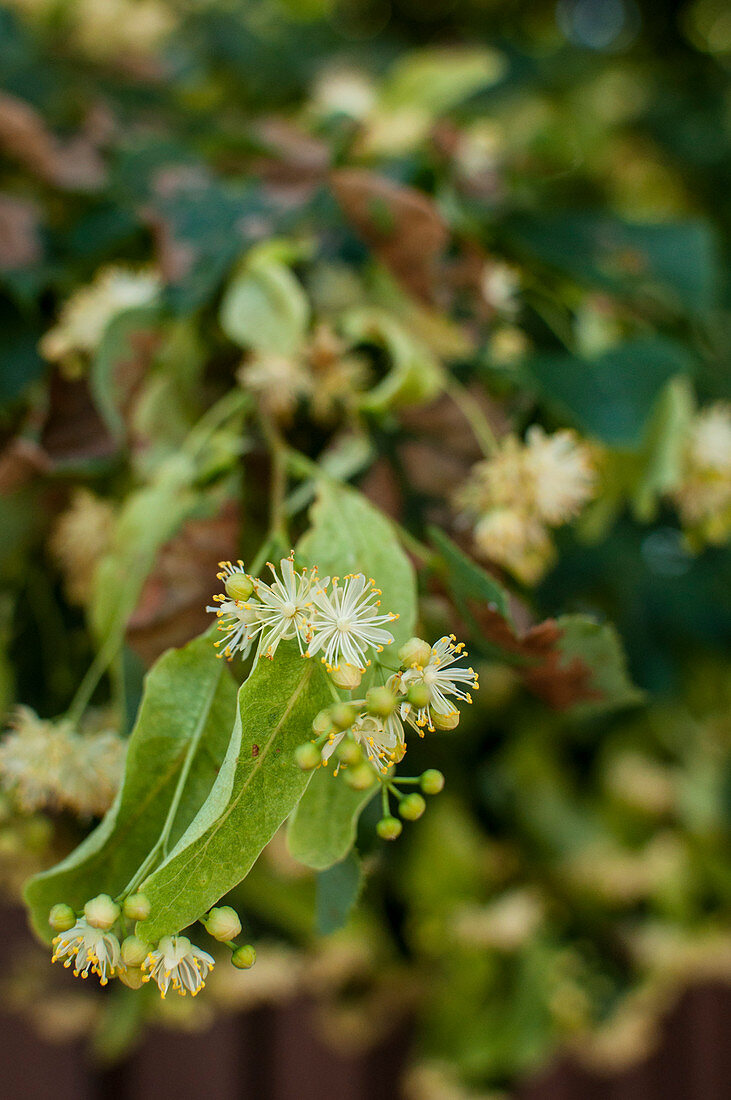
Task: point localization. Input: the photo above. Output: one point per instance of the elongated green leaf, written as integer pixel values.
(189, 696)
(466, 579)
(321, 830)
(258, 786)
(337, 893)
(349, 535)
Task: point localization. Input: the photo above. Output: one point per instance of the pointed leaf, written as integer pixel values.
(258, 786)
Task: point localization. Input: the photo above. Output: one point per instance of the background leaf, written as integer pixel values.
(337, 893)
(322, 828)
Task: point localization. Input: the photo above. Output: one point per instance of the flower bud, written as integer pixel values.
(388, 828)
(342, 716)
(136, 907)
(61, 918)
(418, 695)
(307, 756)
(347, 677)
(380, 701)
(321, 723)
(101, 911)
(412, 807)
(349, 752)
(446, 721)
(134, 951)
(223, 923)
(415, 652)
(132, 976)
(361, 777)
(244, 957)
(432, 781)
(239, 586)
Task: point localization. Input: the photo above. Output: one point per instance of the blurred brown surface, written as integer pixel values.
(275, 1054)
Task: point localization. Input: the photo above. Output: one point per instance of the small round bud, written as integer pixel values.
(347, 677)
(223, 923)
(239, 586)
(388, 828)
(446, 721)
(432, 781)
(61, 918)
(380, 701)
(342, 716)
(136, 907)
(415, 652)
(361, 777)
(307, 756)
(101, 911)
(244, 957)
(349, 752)
(418, 695)
(412, 807)
(134, 951)
(321, 723)
(132, 976)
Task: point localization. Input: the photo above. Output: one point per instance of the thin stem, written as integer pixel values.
(279, 452)
(384, 800)
(93, 675)
(474, 415)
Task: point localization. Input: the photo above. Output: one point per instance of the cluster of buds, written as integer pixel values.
(100, 940)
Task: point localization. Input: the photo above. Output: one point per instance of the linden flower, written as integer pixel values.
(178, 962)
(382, 740)
(347, 623)
(80, 537)
(278, 382)
(560, 472)
(284, 607)
(85, 316)
(703, 497)
(89, 949)
(235, 615)
(443, 682)
(516, 540)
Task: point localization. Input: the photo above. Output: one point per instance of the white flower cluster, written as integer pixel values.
(515, 497)
(345, 623)
(51, 765)
(703, 497)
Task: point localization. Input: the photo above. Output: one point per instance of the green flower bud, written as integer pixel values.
(61, 918)
(136, 907)
(446, 721)
(101, 911)
(322, 723)
(380, 701)
(347, 677)
(412, 807)
(415, 652)
(349, 752)
(239, 586)
(132, 976)
(244, 957)
(361, 777)
(307, 756)
(432, 781)
(418, 695)
(342, 716)
(134, 951)
(388, 828)
(223, 923)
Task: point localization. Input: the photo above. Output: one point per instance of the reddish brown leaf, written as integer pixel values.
(401, 225)
(20, 244)
(25, 138)
(172, 607)
(74, 431)
(20, 461)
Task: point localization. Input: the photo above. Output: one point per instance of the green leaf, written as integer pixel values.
(661, 461)
(416, 375)
(337, 892)
(266, 309)
(467, 580)
(679, 259)
(612, 396)
(322, 828)
(257, 788)
(189, 694)
(349, 535)
(438, 79)
(597, 646)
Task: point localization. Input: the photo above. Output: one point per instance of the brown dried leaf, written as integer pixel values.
(21, 461)
(20, 244)
(172, 606)
(25, 138)
(401, 225)
(74, 431)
